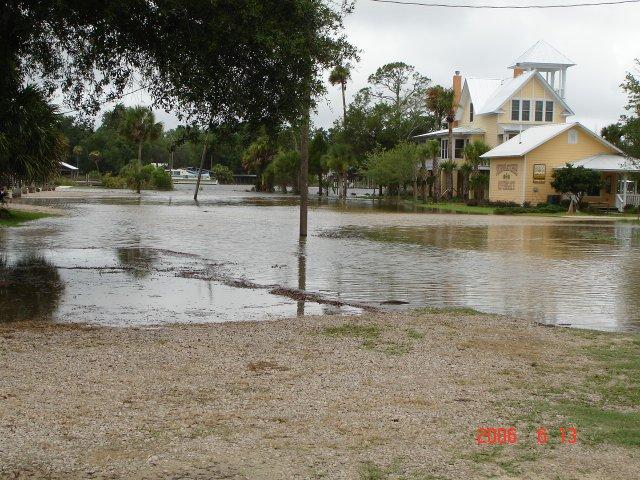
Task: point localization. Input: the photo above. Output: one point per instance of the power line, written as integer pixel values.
(506, 7)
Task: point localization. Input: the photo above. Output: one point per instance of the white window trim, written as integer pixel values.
(444, 151)
(519, 119)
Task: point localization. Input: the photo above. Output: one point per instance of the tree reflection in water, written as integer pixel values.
(29, 290)
(137, 261)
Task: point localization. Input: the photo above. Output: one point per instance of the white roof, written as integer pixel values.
(533, 137)
(456, 131)
(481, 89)
(540, 55)
(502, 94)
(608, 163)
(67, 166)
(489, 94)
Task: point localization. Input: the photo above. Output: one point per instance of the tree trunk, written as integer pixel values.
(171, 160)
(320, 183)
(344, 105)
(304, 172)
(345, 184)
(204, 154)
(436, 179)
(140, 154)
(415, 189)
(424, 181)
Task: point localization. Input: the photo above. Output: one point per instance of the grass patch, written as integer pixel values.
(12, 218)
(457, 208)
(449, 310)
(597, 426)
(414, 334)
(367, 332)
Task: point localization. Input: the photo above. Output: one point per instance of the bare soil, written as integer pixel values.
(396, 395)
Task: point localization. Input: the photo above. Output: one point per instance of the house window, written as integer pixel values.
(444, 148)
(594, 192)
(632, 186)
(459, 147)
(526, 109)
(573, 137)
(548, 113)
(539, 110)
(471, 112)
(515, 110)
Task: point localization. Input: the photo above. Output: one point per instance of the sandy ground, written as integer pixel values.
(398, 395)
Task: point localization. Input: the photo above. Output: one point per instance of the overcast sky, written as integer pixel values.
(603, 42)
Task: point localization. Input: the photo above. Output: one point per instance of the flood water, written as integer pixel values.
(236, 256)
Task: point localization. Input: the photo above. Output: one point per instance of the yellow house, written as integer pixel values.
(497, 111)
(522, 168)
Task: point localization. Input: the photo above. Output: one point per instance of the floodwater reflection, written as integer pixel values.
(30, 289)
(129, 261)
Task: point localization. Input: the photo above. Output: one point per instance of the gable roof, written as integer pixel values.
(488, 95)
(511, 86)
(533, 137)
(481, 89)
(540, 55)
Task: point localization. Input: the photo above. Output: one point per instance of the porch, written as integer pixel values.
(619, 180)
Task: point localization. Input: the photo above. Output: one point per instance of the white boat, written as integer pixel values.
(181, 175)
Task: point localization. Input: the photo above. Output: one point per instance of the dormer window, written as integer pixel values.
(471, 112)
(526, 110)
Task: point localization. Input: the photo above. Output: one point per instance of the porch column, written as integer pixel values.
(624, 190)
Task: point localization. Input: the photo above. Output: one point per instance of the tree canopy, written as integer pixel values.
(575, 181)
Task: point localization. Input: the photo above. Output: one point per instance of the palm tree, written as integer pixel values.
(448, 167)
(338, 159)
(432, 149)
(339, 76)
(95, 157)
(472, 153)
(139, 126)
(466, 169)
(77, 151)
(442, 103)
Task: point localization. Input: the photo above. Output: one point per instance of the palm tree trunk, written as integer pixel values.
(344, 105)
(424, 180)
(140, 154)
(171, 160)
(436, 179)
(320, 182)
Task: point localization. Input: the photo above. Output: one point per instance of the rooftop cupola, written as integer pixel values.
(549, 62)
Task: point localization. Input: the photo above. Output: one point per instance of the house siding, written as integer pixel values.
(552, 154)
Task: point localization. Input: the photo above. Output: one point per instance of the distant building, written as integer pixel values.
(524, 120)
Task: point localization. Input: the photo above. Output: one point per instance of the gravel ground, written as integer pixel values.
(397, 395)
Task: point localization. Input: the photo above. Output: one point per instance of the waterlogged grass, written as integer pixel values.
(13, 218)
(457, 208)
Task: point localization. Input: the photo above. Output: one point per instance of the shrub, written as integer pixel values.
(161, 180)
(113, 181)
(222, 173)
(472, 202)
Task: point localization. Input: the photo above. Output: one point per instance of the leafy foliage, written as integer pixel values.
(222, 173)
(575, 181)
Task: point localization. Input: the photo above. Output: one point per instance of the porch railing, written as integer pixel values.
(631, 199)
